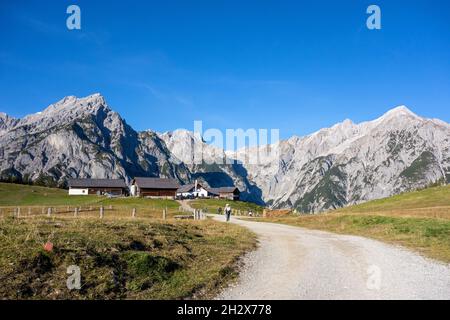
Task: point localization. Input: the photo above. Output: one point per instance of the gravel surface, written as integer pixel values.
(296, 263)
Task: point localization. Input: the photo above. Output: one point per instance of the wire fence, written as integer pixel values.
(100, 212)
(116, 211)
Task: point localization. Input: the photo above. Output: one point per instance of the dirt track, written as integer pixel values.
(295, 263)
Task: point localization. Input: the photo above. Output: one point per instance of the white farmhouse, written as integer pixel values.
(194, 190)
(84, 187)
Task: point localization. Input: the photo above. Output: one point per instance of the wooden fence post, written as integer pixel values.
(49, 212)
(133, 213)
(29, 211)
(75, 214)
(101, 212)
(164, 213)
(18, 212)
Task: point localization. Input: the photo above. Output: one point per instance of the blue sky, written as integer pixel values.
(293, 65)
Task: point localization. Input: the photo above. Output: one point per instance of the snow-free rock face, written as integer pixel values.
(352, 163)
(6, 122)
(333, 167)
(209, 165)
(79, 138)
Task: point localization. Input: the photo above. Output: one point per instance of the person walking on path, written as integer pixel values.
(228, 212)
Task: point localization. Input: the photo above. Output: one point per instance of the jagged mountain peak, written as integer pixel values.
(180, 133)
(401, 109)
(399, 112)
(69, 109)
(89, 103)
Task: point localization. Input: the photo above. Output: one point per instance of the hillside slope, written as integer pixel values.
(118, 258)
(418, 220)
(421, 203)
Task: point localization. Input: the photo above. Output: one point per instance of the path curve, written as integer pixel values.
(296, 263)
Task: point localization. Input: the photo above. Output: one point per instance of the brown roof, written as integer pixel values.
(156, 183)
(189, 187)
(186, 188)
(97, 183)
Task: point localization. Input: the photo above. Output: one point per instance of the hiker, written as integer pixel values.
(227, 212)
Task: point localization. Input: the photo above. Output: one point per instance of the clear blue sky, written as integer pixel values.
(293, 65)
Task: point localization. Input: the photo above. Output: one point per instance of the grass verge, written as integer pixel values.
(428, 236)
(118, 259)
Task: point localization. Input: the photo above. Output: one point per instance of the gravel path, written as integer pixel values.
(296, 263)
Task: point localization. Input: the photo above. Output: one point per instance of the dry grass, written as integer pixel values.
(88, 211)
(436, 197)
(432, 212)
(119, 257)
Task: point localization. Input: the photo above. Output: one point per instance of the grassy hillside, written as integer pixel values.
(24, 195)
(418, 220)
(118, 259)
(420, 203)
(211, 205)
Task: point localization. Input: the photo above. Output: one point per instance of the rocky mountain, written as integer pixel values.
(352, 163)
(80, 138)
(345, 164)
(209, 165)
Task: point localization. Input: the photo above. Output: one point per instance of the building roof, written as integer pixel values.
(97, 183)
(156, 183)
(189, 187)
(223, 190)
(186, 188)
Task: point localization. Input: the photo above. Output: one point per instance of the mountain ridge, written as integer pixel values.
(344, 164)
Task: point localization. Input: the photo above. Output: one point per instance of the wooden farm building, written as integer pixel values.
(86, 187)
(196, 190)
(156, 187)
(229, 193)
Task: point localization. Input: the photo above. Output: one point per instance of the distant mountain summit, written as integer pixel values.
(80, 138)
(345, 164)
(352, 163)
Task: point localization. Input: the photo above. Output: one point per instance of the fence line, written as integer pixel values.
(84, 211)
